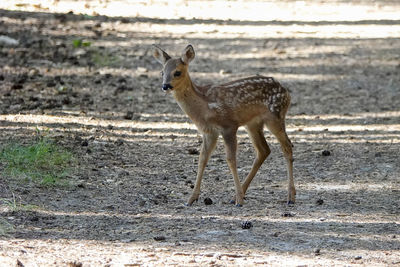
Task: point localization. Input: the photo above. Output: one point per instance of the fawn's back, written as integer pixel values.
(244, 99)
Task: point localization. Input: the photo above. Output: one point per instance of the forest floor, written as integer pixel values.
(90, 84)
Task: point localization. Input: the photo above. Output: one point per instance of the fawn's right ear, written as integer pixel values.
(188, 54)
(160, 55)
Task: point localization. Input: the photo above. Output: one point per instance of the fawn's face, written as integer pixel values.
(175, 71)
(173, 74)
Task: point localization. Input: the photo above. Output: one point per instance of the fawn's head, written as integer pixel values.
(175, 70)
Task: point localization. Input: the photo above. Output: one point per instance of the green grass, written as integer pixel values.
(14, 205)
(80, 43)
(103, 59)
(5, 227)
(43, 162)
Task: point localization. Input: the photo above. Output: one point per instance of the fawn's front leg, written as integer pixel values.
(208, 145)
(231, 147)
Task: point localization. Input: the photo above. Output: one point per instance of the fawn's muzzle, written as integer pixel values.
(166, 86)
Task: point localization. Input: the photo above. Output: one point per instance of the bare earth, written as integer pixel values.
(137, 152)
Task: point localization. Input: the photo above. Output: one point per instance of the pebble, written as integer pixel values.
(128, 115)
(287, 214)
(247, 225)
(193, 151)
(208, 201)
(16, 86)
(326, 153)
(276, 234)
(159, 238)
(8, 41)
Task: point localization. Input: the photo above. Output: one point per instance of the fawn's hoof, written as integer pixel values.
(190, 202)
(236, 204)
(290, 202)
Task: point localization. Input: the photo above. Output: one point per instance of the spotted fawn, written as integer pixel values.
(221, 109)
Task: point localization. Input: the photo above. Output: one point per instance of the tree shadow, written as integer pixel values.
(135, 173)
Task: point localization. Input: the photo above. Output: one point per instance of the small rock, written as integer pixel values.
(128, 115)
(193, 151)
(8, 41)
(247, 225)
(159, 238)
(16, 86)
(326, 153)
(319, 202)
(276, 234)
(50, 84)
(121, 80)
(208, 201)
(33, 98)
(287, 214)
(222, 71)
(62, 89)
(317, 252)
(19, 263)
(33, 72)
(66, 100)
(358, 258)
(75, 264)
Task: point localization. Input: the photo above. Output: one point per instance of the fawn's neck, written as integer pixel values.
(191, 100)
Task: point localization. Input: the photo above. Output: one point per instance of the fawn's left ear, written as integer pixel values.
(160, 55)
(188, 54)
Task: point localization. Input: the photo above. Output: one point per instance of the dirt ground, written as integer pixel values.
(137, 151)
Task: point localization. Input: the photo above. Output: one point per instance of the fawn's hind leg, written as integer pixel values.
(256, 133)
(277, 128)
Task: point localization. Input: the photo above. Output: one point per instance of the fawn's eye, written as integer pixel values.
(177, 73)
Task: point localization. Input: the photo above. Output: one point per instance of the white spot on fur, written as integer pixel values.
(213, 105)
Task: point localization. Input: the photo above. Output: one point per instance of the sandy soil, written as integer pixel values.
(137, 151)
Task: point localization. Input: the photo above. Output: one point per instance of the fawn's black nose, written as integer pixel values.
(166, 86)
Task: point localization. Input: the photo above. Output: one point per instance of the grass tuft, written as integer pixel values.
(5, 227)
(43, 163)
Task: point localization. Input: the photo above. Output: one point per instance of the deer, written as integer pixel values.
(221, 109)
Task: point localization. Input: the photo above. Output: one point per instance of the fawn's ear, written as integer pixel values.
(188, 54)
(160, 55)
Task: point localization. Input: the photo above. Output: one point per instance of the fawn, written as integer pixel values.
(222, 109)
